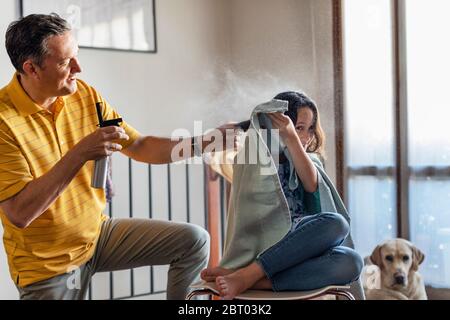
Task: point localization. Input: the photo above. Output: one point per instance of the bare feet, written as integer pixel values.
(230, 286)
(210, 274)
(237, 282)
(263, 284)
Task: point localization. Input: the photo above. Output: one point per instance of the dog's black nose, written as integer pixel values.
(400, 279)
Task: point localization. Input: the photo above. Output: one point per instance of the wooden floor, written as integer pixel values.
(438, 294)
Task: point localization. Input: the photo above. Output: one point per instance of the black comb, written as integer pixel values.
(244, 125)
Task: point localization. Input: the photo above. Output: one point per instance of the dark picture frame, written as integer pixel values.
(118, 25)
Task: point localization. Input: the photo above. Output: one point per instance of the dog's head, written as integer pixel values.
(397, 260)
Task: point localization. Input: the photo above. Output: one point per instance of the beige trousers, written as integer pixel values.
(133, 243)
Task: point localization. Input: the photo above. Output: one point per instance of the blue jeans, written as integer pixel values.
(310, 257)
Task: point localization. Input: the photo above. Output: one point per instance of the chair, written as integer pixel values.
(210, 289)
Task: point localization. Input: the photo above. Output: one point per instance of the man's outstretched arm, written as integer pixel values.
(156, 150)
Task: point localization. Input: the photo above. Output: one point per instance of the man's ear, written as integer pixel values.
(417, 258)
(375, 257)
(29, 68)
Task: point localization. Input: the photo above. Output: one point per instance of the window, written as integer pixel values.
(369, 121)
(397, 147)
(428, 67)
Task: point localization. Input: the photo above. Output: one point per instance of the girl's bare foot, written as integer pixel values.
(237, 282)
(230, 286)
(210, 274)
(263, 284)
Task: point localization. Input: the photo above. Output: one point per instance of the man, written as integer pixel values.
(54, 228)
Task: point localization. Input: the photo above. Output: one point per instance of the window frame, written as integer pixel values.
(402, 172)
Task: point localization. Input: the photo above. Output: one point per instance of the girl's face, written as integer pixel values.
(303, 127)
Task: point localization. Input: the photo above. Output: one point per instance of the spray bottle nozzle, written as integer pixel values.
(106, 123)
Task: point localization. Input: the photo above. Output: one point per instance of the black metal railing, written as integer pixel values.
(151, 202)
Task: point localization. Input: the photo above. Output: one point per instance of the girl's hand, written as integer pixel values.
(284, 124)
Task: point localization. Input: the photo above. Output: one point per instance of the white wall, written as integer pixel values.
(7, 14)
(215, 61)
(158, 93)
(287, 44)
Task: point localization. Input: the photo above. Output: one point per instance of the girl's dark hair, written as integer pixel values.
(297, 101)
(27, 38)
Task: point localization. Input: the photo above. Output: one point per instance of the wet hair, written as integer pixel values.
(27, 38)
(298, 101)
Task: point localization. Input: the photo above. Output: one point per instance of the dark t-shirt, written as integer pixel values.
(300, 202)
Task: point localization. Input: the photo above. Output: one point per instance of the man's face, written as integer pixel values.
(57, 76)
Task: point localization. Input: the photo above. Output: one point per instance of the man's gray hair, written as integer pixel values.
(27, 37)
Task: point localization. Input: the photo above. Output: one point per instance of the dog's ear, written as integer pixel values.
(375, 257)
(417, 258)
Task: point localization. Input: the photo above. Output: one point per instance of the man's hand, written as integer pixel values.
(100, 143)
(222, 138)
(230, 133)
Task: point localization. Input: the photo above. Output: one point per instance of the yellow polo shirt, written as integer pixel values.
(32, 141)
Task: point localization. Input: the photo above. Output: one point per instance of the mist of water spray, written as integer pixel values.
(233, 97)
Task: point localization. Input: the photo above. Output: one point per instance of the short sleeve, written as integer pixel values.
(109, 113)
(312, 202)
(312, 199)
(14, 169)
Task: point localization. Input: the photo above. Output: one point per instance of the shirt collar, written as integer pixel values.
(21, 100)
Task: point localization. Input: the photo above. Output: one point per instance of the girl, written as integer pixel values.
(310, 256)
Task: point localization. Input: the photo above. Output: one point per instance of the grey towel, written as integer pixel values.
(258, 214)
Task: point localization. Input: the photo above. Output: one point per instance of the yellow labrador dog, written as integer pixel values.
(397, 276)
